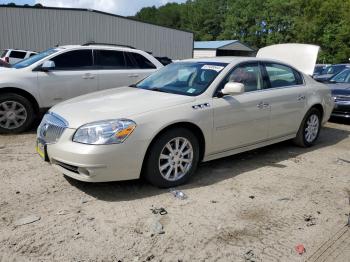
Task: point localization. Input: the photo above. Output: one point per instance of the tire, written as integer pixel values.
(16, 113)
(184, 164)
(309, 129)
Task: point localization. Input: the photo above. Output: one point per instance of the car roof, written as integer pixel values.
(233, 60)
(97, 47)
(21, 50)
(222, 59)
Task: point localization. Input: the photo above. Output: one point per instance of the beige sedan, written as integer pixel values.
(188, 112)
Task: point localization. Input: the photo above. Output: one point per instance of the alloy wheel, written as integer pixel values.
(312, 128)
(176, 159)
(12, 115)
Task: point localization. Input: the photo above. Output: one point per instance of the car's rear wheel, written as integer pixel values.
(309, 129)
(172, 158)
(16, 113)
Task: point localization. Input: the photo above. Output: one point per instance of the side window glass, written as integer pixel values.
(281, 75)
(129, 61)
(109, 59)
(141, 62)
(17, 54)
(74, 60)
(249, 75)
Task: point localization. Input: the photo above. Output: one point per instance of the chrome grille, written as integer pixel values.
(51, 128)
(342, 98)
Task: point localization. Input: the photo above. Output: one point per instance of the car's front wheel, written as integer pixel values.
(309, 129)
(172, 158)
(16, 113)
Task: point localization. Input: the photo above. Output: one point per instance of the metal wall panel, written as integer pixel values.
(40, 28)
(202, 53)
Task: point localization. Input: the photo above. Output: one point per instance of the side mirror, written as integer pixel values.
(233, 88)
(48, 65)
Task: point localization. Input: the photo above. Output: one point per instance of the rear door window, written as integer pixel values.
(74, 60)
(281, 75)
(139, 61)
(109, 59)
(17, 54)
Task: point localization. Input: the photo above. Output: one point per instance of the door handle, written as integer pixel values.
(133, 75)
(88, 76)
(263, 105)
(301, 97)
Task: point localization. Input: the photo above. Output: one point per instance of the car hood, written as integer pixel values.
(340, 88)
(6, 69)
(122, 102)
(301, 56)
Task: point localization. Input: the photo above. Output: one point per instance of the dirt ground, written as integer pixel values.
(255, 206)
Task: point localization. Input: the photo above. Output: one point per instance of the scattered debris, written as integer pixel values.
(284, 199)
(61, 212)
(250, 256)
(178, 194)
(311, 221)
(27, 220)
(343, 160)
(300, 249)
(251, 197)
(161, 211)
(157, 227)
(149, 258)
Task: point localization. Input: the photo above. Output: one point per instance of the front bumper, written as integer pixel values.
(97, 163)
(341, 109)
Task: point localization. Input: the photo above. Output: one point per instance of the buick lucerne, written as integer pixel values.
(189, 112)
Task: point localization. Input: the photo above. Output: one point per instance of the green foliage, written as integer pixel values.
(263, 22)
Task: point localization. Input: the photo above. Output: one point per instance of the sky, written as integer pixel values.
(120, 7)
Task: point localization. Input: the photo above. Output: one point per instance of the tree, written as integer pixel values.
(263, 22)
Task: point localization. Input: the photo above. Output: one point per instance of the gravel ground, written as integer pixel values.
(255, 206)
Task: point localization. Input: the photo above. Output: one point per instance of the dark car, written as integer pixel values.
(319, 68)
(340, 86)
(330, 71)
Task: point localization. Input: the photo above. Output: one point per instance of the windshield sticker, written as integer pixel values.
(212, 67)
(191, 90)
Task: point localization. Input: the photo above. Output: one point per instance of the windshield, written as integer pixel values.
(342, 77)
(332, 70)
(186, 78)
(35, 58)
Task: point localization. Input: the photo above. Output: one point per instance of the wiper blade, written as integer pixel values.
(158, 89)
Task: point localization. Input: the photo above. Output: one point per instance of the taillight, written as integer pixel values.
(7, 59)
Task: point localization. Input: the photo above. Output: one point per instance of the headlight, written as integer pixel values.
(105, 132)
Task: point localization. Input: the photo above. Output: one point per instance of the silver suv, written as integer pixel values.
(57, 74)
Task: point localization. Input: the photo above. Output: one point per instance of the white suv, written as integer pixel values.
(13, 56)
(57, 74)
